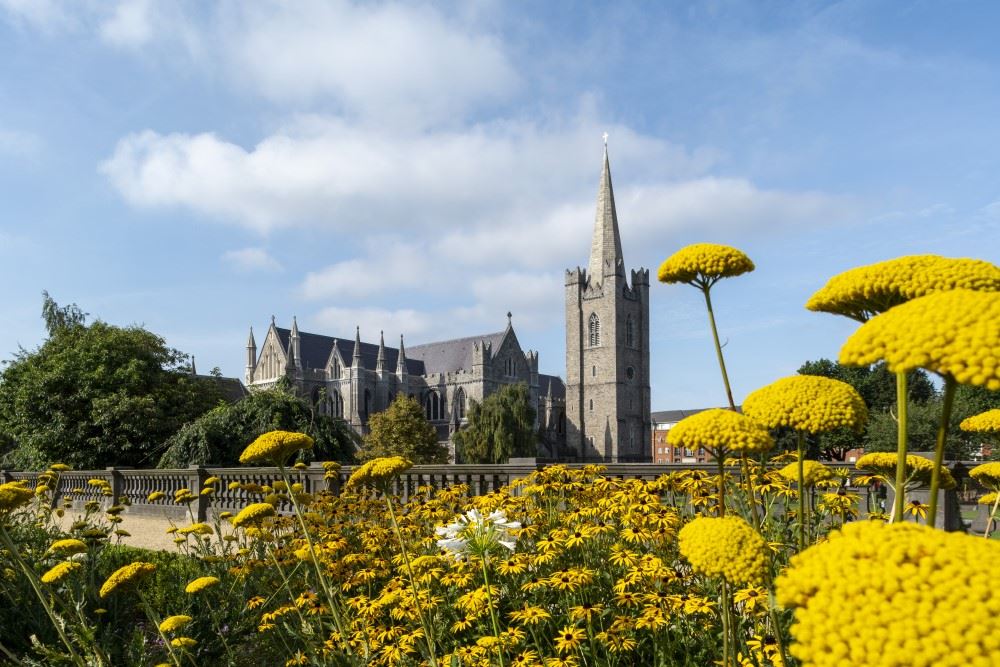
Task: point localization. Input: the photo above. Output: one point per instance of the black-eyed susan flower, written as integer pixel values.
(569, 639)
(126, 576)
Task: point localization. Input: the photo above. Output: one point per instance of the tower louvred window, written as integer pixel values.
(595, 330)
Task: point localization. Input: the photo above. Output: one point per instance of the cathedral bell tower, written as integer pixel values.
(607, 347)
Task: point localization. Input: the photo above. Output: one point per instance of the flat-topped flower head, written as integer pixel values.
(174, 623)
(954, 334)
(13, 495)
(929, 585)
(702, 264)
(60, 571)
(720, 430)
(200, 584)
(377, 471)
(808, 403)
(275, 447)
(918, 469)
(987, 474)
(253, 514)
(68, 546)
(127, 576)
(865, 291)
(984, 422)
(813, 472)
(726, 547)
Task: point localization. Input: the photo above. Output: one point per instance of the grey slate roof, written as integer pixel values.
(558, 388)
(448, 356)
(674, 416)
(315, 350)
(232, 389)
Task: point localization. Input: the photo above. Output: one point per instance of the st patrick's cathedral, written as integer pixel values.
(600, 413)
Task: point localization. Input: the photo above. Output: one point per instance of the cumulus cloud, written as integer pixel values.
(389, 265)
(251, 259)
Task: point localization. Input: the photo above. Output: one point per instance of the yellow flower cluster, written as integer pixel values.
(127, 575)
(174, 623)
(807, 403)
(720, 430)
(253, 513)
(378, 470)
(950, 333)
(200, 584)
(702, 264)
(60, 572)
(918, 469)
(984, 422)
(865, 291)
(899, 578)
(725, 547)
(812, 472)
(987, 498)
(987, 474)
(197, 529)
(13, 495)
(275, 447)
(68, 546)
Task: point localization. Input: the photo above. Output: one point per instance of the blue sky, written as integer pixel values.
(423, 168)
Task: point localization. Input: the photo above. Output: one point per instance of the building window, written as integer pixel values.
(591, 405)
(337, 404)
(561, 424)
(593, 371)
(629, 332)
(630, 373)
(595, 330)
(335, 370)
(508, 367)
(432, 406)
(460, 403)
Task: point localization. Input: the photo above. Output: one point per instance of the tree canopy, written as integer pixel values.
(500, 427)
(402, 430)
(95, 395)
(220, 435)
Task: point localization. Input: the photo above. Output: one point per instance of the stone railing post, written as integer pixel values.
(117, 482)
(196, 477)
(5, 477)
(317, 478)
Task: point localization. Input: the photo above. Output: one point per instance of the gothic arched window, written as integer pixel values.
(460, 403)
(561, 424)
(595, 330)
(336, 404)
(367, 404)
(629, 332)
(432, 406)
(335, 369)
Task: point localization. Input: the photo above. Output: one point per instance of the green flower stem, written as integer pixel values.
(777, 627)
(413, 582)
(719, 459)
(802, 490)
(942, 436)
(493, 612)
(152, 616)
(32, 579)
(751, 496)
(902, 401)
(993, 513)
(724, 612)
(718, 348)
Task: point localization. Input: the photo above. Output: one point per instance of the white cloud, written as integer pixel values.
(44, 15)
(251, 259)
(130, 25)
(18, 143)
(389, 265)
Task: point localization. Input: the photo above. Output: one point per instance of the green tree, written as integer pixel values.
(402, 430)
(877, 386)
(96, 395)
(220, 435)
(500, 427)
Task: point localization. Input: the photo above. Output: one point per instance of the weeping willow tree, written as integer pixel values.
(500, 427)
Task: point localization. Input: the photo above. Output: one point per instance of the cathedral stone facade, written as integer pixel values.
(600, 414)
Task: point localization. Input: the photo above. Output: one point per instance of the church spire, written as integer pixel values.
(606, 246)
(380, 360)
(294, 355)
(401, 359)
(251, 357)
(357, 347)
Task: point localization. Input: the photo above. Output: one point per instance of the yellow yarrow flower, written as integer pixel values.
(726, 547)
(720, 431)
(275, 447)
(68, 546)
(378, 470)
(253, 513)
(808, 403)
(917, 574)
(984, 422)
(173, 623)
(60, 572)
(987, 474)
(183, 642)
(13, 495)
(954, 334)
(200, 584)
(197, 529)
(812, 472)
(125, 576)
(987, 498)
(155, 495)
(918, 469)
(865, 291)
(703, 264)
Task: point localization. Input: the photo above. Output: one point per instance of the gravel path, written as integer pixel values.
(148, 532)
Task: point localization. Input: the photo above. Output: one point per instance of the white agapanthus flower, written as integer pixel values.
(472, 533)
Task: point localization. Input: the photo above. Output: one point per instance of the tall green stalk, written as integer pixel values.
(718, 348)
(902, 401)
(802, 491)
(493, 613)
(942, 436)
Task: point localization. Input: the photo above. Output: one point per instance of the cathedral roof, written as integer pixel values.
(558, 388)
(315, 351)
(448, 356)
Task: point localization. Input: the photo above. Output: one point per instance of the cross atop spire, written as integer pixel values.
(606, 247)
